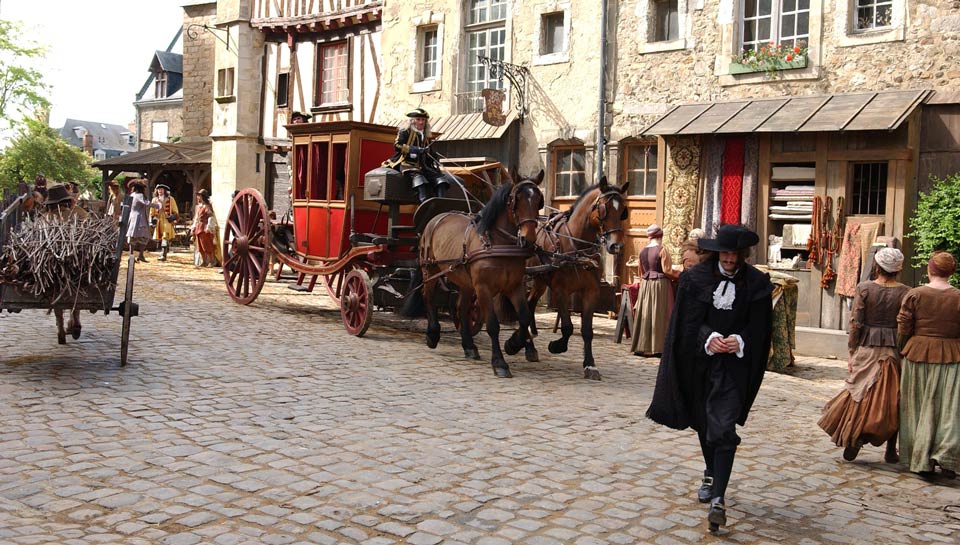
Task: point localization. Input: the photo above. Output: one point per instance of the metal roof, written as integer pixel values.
(464, 127)
(882, 110)
(193, 153)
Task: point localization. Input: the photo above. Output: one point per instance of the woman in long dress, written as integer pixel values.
(929, 328)
(655, 300)
(204, 227)
(866, 410)
(138, 231)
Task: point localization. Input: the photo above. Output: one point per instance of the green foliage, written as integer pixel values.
(22, 90)
(39, 148)
(936, 223)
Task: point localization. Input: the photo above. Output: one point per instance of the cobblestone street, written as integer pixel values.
(268, 424)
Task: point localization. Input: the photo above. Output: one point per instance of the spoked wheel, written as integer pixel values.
(246, 243)
(356, 302)
(334, 284)
(127, 311)
(476, 320)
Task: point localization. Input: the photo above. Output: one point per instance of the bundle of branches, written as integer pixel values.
(61, 260)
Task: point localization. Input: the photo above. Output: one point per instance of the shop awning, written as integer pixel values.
(882, 110)
(465, 127)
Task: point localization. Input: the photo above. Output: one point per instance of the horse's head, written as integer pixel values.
(524, 203)
(609, 211)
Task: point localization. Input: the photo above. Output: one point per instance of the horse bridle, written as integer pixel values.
(512, 203)
(600, 207)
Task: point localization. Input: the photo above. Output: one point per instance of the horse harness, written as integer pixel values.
(488, 249)
(587, 258)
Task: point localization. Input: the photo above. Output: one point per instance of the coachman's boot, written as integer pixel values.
(423, 193)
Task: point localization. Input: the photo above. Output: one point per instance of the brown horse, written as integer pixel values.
(483, 256)
(570, 248)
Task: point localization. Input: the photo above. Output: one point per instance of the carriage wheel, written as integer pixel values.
(246, 247)
(356, 302)
(476, 320)
(127, 311)
(334, 284)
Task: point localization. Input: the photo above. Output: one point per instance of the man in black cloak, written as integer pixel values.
(715, 353)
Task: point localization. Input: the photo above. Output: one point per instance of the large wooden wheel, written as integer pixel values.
(127, 311)
(334, 284)
(246, 246)
(356, 302)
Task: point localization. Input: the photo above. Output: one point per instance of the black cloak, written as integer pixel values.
(679, 398)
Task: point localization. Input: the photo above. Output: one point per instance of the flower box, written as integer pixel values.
(772, 65)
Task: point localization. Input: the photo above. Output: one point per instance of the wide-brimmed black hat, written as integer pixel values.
(165, 186)
(730, 238)
(57, 193)
(301, 115)
(136, 182)
(419, 112)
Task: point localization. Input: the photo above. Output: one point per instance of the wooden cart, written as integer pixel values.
(355, 234)
(14, 300)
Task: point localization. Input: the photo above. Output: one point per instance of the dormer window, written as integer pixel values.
(160, 84)
(80, 132)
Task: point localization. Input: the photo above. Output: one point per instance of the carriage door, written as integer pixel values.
(337, 190)
(301, 166)
(318, 216)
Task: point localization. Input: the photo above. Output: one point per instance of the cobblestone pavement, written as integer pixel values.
(268, 424)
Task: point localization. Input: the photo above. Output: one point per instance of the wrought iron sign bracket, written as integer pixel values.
(516, 74)
(193, 32)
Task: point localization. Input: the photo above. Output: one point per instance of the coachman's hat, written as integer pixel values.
(136, 182)
(730, 238)
(165, 186)
(57, 193)
(301, 115)
(419, 112)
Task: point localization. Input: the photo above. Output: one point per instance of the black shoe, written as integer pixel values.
(705, 493)
(717, 516)
(850, 453)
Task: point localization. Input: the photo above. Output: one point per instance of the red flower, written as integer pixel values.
(796, 49)
(771, 44)
(789, 58)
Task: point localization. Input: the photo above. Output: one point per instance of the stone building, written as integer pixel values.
(159, 104)
(849, 117)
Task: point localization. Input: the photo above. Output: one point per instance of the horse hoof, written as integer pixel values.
(557, 347)
(61, 338)
(502, 372)
(432, 340)
(471, 353)
(511, 347)
(75, 332)
(591, 373)
(532, 355)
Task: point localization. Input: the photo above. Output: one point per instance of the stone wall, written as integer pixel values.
(198, 71)
(169, 111)
(563, 88)
(919, 52)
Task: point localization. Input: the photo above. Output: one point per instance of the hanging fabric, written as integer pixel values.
(751, 168)
(712, 177)
(732, 184)
(849, 265)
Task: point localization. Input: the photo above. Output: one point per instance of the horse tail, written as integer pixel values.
(414, 305)
(504, 309)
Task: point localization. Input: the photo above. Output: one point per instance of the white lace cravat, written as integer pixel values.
(726, 291)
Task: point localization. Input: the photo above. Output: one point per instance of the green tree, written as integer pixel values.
(38, 148)
(22, 90)
(936, 223)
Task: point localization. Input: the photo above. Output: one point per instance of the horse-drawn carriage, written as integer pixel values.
(98, 298)
(356, 229)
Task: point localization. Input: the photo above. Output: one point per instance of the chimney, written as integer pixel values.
(88, 144)
(132, 127)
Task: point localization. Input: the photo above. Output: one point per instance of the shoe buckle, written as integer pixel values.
(707, 481)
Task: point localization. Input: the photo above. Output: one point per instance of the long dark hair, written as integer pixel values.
(204, 196)
(494, 207)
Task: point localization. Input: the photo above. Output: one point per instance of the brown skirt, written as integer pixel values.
(874, 419)
(205, 244)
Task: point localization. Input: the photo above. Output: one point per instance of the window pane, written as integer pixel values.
(651, 189)
(750, 8)
(763, 30)
(803, 24)
(478, 11)
(552, 32)
(563, 185)
(789, 5)
(765, 7)
(749, 32)
(788, 25)
(577, 161)
(498, 10)
(884, 15)
(579, 181)
(803, 4)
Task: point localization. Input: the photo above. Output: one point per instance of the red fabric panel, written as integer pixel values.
(731, 188)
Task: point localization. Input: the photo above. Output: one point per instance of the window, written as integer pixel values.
(782, 22)
(160, 84)
(225, 82)
(429, 54)
(158, 131)
(570, 176)
(283, 87)
(666, 27)
(551, 33)
(873, 14)
(641, 169)
(99, 155)
(486, 37)
(869, 189)
(334, 74)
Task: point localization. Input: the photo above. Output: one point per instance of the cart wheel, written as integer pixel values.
(127, 311)
(476, 320)
(356, 304)
(246, 247)
(334, 284)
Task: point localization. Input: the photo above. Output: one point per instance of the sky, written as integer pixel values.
(98, 52)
